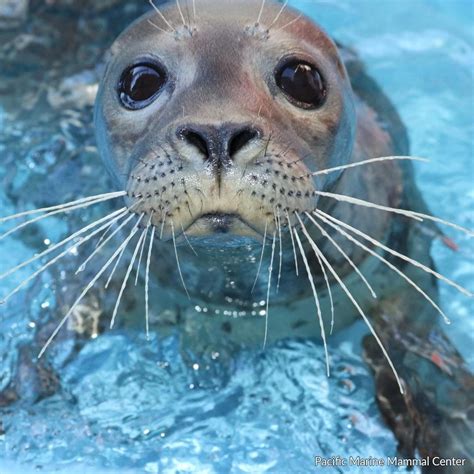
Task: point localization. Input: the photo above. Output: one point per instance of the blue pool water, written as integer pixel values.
(131, 405)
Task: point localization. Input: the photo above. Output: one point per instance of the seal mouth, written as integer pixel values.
(221, 223)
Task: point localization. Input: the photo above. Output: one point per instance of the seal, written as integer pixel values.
(269, 175)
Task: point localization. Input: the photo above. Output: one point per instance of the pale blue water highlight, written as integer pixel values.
(133, 406)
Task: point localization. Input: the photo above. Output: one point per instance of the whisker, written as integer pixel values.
(106, 231)
(127, 276)
(188, 242)
(344, 254)
(50, 263)
(282, 9)
(62, 206)
(194, 11)
(270, 272)
(181, 13)
(177, 260)
(261, 12)
(386, 262)
(290, 23)
(114, 216)
(292, 243)
(159, 28)
(142, 250)
(168, 24)
(418, 216)
(315, 293)
(261, 257)
(84, 292)
(328, 285)
(162, 225)
(114, 269)
(58, 211)
(147, 284)
(83, 266)
(364, 317)
(366, 162)
(278, 220)
(413, 262)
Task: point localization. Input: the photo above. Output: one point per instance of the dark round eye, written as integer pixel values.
(140, 84)
(302, 84)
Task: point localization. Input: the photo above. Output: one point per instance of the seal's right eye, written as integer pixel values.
(140, 84)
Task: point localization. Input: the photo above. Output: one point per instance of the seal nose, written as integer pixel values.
(218, 143)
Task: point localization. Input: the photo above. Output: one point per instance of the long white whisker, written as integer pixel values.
(180, 13)
(83, 265)
(53, 213)
(147, 284)
(269, 286)
(114, 269)
(62, 206)
(127, 276)
(364, 317)
(344, 254)
(162, 226)
(145, 231)
(293, 243)
(194, 11)
(261, 257)
(337, 227)
(142, 250)
(418, 216)
(315, 293)
(328, 285)
(282, 9)
(413, 262)
(366, 162)
(188, 242)
(84, 292)
(50, 263)
(261, 12)
(106, 231)
(177, 260)
(278, 220)
(114, 217)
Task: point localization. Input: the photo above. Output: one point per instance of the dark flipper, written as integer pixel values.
(435, 417)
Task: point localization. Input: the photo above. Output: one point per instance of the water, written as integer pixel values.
(130, 405)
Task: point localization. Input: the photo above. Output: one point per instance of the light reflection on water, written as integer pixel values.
(132, 404)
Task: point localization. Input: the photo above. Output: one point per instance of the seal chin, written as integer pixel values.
(224, 224)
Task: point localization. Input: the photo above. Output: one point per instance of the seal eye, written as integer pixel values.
(140, 84)
(302, 83)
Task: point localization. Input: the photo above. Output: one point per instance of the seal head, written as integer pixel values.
(215, 123)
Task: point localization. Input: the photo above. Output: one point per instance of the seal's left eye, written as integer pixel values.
(302, 83)
(140, 84)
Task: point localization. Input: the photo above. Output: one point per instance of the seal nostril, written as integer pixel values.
(196, 140)
(240, 140)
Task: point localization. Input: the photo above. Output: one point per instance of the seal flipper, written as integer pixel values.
(435, 417)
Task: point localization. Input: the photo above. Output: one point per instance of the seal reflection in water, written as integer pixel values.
(260, 163)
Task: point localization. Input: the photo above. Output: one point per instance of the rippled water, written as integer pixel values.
(130, 405)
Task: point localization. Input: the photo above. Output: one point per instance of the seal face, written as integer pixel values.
(216, 126)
